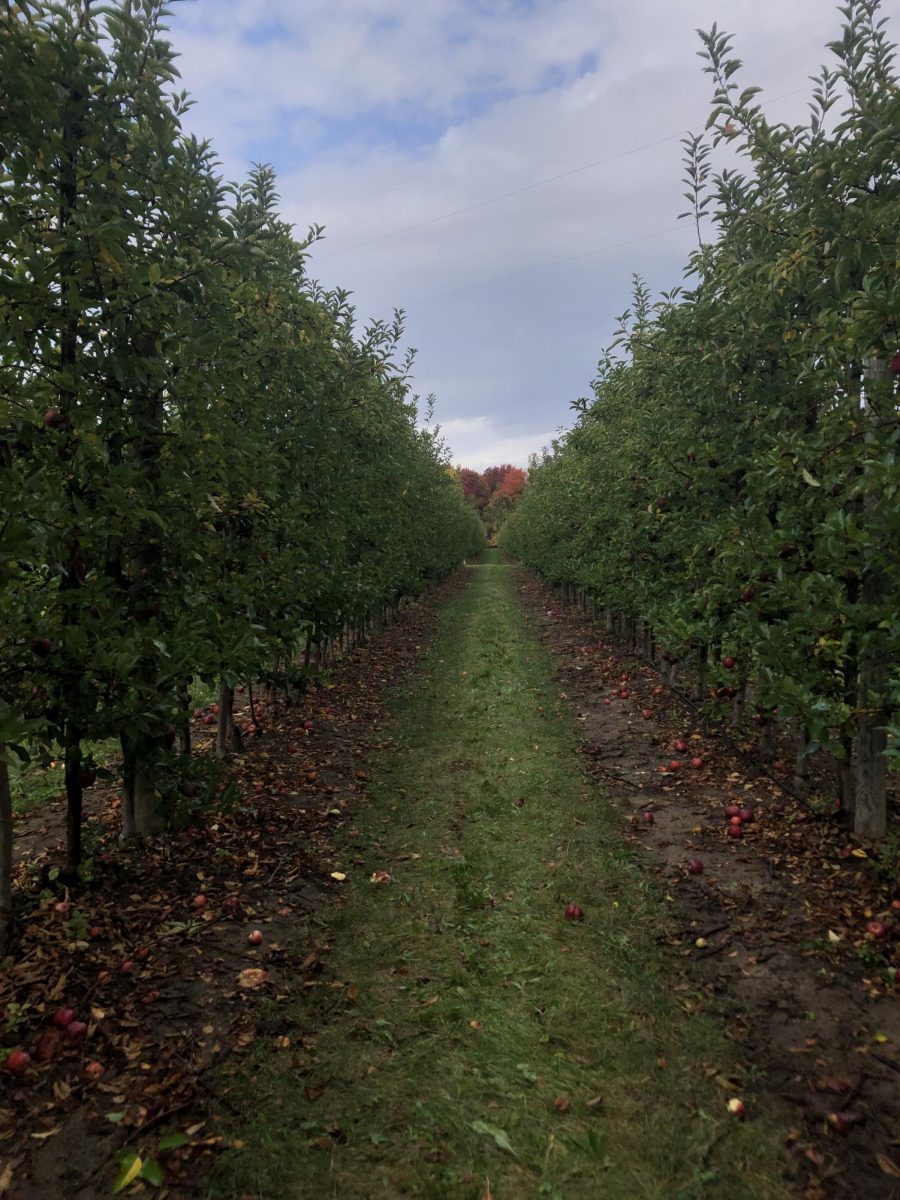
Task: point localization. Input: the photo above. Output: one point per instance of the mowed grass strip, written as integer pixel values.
(494, 1048)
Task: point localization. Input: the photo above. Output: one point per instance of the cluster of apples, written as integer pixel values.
(680, 746)
(737, 817)
(66, 1030)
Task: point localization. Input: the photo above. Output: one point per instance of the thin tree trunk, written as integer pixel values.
(6, 850)
(225, 740)
(74, 798)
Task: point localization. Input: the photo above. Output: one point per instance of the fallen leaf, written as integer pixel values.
(252, 977)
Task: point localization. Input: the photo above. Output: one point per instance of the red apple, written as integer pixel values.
(733, 810)
(647, 714)
(127, 967)
(728, 662)
(735, 831)
(736, 1107)
(142, 953)
(735, 821)
(63, 1017)
(680, 745)
(894, 365)
(658, 691)
(41, 647)
(255, 938)
(779, 807)
(674, 765)
(93, 1071)
(17, 1062)
(308, 726)
(574, 912)
(649, 818)
(53, 418)
(624, 693)
(697, 763)
(694, 866)
(76, 1030)
(215, 709)
(198, 713)
(877, 929)
(747, 594)
(209, 719)
(746, 815)
(624, 677)
(200, 901)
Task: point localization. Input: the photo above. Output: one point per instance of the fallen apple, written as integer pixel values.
(75, 1031)
(127, 967)
(735, 831)
(746, 815)
(674, 765)
(200, 901)
(732, 810)
(649, 818)
(697, 763)
(63, 1017)
(694, 866)
(255, 938)
(736, 1108)
(877, 929)
(728, 662)
(17, 1062)
(647, 714)
(93, 1071)
(574, 912)
(680, 745)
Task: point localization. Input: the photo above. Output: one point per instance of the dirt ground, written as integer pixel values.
(153, 953)
(773, 930)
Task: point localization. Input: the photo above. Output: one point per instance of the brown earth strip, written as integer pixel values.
(774, 927)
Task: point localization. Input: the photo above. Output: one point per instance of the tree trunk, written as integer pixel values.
(870, 742)
(147, 815)
(225, 740)
(700, 681)
(6, 848)
(74, 798)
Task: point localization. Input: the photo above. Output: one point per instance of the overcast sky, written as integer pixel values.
(378, 115)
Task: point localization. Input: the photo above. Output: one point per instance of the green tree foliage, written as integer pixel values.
(734, 482)
(203, 462)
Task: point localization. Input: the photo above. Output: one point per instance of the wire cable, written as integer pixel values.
(528, 187)
(544, 266)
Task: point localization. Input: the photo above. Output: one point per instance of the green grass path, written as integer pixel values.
(495, 1049)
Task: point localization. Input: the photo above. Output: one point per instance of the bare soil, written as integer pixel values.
(773, 931)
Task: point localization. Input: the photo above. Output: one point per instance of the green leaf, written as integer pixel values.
(130, 1169)
(152, 1172)
(501, 1140)
(172, 1141)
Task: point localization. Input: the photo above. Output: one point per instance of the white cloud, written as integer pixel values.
(325, 91)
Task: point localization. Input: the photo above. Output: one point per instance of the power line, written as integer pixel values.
(502, 196)
(528, 187)
(544, 266)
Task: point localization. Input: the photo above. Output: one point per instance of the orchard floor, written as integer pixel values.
(466, 1040)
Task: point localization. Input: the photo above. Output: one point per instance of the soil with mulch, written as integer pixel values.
(154, 955)
(773, 930)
